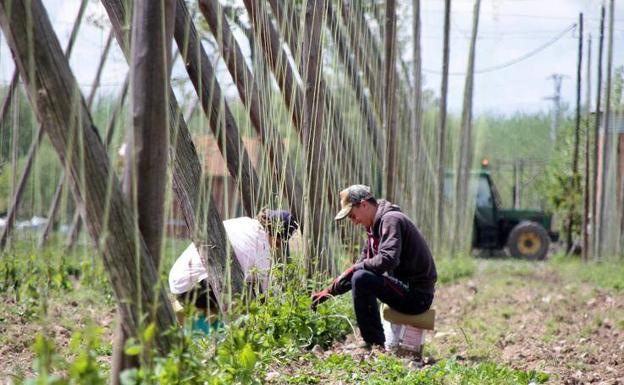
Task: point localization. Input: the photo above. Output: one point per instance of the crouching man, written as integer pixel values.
(395, 267)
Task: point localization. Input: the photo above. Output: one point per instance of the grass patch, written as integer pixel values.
(604, 274)
(387, 369)
(454, 269)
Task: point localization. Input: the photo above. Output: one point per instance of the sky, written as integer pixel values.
(508, 30)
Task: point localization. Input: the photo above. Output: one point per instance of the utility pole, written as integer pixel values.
(556, 99)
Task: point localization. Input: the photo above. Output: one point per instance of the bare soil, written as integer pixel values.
(529, 318)
(534, 320)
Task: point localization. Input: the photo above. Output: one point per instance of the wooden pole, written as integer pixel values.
(147, 140)
(313, 131)
(353, 70)
(56, 200)
(249, 91)
(390, 107)
(606, 152)
(577, 132)
(442, 127)
(462, 231)
(342, 148)
(225, 274)
(417, 115)
(18, 190)
(598, 146)
(56, 99)
(587, 177)
(222, 122)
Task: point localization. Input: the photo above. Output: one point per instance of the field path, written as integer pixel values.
(528, 316)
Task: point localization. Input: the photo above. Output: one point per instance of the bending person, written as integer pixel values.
(253, 241)
(395, 267)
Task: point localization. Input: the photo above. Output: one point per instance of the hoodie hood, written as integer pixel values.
(383, 207)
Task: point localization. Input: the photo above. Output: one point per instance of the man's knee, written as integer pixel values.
(362, 279)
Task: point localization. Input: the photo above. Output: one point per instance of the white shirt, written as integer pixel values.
(251, 247)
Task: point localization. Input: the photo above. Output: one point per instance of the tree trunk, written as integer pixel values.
(56, 99)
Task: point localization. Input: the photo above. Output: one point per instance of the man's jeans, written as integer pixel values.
(367, 287)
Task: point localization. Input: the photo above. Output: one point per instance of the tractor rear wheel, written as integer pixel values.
(528, 240)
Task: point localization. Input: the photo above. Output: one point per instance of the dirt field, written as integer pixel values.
(522, 315)
(530, 317)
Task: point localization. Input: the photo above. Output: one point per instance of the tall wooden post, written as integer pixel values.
(18, 188)
(225, 275)
(587, 178)
(441, 145)
(249, 90)
(598, 148)
(575, 177)
(461, 233)
(390, 108)
(147, 138)
(417, 114)
(606, 152)
(56, 99)
(313, 132)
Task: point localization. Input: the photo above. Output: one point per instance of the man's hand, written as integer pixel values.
(320, 297)
(342, 284)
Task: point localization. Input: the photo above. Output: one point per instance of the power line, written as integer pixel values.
(496, 14)
(516, 60)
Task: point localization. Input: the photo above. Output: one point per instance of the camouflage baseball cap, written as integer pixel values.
(351, 196)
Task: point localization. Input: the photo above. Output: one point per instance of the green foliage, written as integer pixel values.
(387, 369)
(453, 269)
(605, 274)
(40, 187)
(83, 368)
(30, 282)
(24, 122)
(504, 140)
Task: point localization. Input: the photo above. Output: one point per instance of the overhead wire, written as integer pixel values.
(515, 60)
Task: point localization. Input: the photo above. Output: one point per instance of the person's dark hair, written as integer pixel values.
(278, 223)
(201, 296)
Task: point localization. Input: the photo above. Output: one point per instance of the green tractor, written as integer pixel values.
(526, 233)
